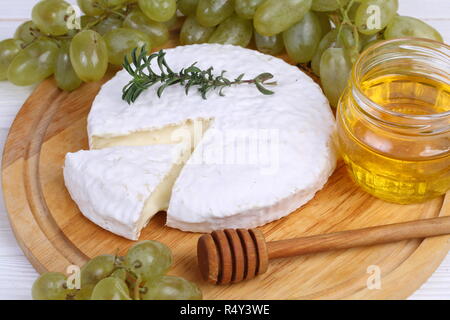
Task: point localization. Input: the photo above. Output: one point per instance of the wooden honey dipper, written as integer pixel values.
(230, 256)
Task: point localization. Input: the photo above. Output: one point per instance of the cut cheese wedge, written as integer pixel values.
(122, 188)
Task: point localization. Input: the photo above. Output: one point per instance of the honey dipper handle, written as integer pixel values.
(361, 237)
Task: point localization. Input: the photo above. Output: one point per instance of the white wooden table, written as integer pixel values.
(16, 273)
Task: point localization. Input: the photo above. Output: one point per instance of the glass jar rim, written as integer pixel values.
(358, 66)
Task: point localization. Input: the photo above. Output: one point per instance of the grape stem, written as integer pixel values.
(345, 21)
(132, 277)
(113, 11)
(108, 12)
(136, 289)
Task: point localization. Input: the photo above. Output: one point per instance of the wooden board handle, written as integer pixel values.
(361, 237)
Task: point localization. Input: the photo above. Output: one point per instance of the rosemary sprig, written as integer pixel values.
(144, 77)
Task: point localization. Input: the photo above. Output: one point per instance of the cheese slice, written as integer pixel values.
(256, 158)
(122, 188)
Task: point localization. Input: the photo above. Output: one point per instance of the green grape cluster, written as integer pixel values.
(326, 35)
(80, 49)
(139, 275)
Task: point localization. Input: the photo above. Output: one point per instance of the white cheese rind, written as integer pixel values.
(209, 196)
(113, 186)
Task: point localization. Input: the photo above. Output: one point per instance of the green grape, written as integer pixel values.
(27, 32)
(172, 22)
(84, 293)
(367, 40)
(212, 12)
(192, 32)
(370, 43)
(187, 7)
(328, 41)
(374, 15)
(234, 30)
(92, 7)
(403, 26)
(50, 286)
(334, 72)
(148, 259)
(301, 40)
(158, 10)
(324, 21)
(97, 269)
(171, 288)
(65, 76)
(9, 49)
(50, 16)
(275, 16)
(156, 31)
(269, 44)
(352, 54)
(110, 23)
(89, 55)
(122, 41)
(328, 5)
(246, 8)
(120, 273)
(111, 288)
(34, 63)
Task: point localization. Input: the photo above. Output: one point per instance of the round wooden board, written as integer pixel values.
(54, 234)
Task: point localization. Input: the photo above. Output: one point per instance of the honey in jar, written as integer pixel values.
(394, 120)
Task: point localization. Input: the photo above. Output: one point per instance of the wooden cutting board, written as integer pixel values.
(54, 234)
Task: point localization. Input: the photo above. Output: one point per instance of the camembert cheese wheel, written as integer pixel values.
(252, 158)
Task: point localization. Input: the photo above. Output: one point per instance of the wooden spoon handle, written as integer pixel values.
(361, 237)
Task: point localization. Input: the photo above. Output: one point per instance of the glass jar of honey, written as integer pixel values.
(394, 120)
